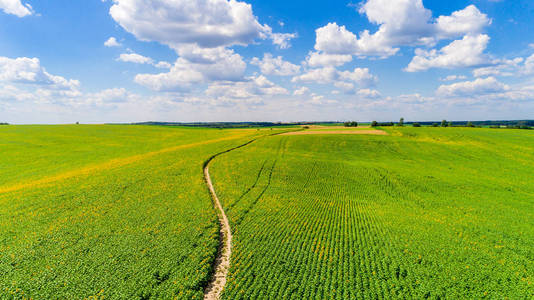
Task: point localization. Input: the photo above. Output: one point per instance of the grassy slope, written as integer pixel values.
(111, 211)
(424, 212)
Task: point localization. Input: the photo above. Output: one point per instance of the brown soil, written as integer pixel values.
(222, 262)
(367, 132)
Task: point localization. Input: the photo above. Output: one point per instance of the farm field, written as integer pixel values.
(123, 212)
(117, 212)
(421, 213)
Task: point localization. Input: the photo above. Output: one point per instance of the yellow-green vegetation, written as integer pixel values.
(421, 213)
(123, 212)
(107, 211)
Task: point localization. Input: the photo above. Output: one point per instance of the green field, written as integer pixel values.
(107, 211)
(123, 212)
(422, 213)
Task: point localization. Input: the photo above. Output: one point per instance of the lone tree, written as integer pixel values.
(351, 124)
(374, 124)
(470, 124)
(416, 125)
(401, 122)
(444, 123)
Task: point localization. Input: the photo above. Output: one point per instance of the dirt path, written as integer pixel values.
(222, 263)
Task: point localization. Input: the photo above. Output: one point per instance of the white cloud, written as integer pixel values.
(320, 100)
(301, 91)
(529, 65)
(453, 78)
(467, 21)
(112, 42)
(531, 45)
(335, 39)
(200, 32)
(319, 59)
(206, 23)
(401, 23)
(467, 52)
(275, 66)
(369, 94)
(480, 86)
(163, 65)
(196, 65)
(16, 7)
(323, 75)
(328, 75)
(25, 70)
(135, 58)
(252, 90)
(362, 76)
(282, 40)
(508, 67)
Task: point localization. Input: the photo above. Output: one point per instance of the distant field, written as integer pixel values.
(421, 213)
(123, 212)
(107, 211)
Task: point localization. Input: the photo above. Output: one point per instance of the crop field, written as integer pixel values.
(421, 213)
(116, 212)
(124, 212)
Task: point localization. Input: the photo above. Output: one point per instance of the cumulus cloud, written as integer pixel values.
(253, 89)
(453, 78)
(16, 7)
(196, 65)
(344, 80)
(480, 86)
(206, 23)
(200, 32)
(508, 67)
(369, 93)
(301, 91)
(467, 52)
(112, 42)
(24, 70)
(270, 65)
(135, 58)
(282, 40)
(401, 23)
(319, 59)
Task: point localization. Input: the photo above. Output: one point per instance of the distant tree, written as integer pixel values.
(470, 124)
(416, 125)
(4, 123)
(435, 125)
(401, 122)
(450, 124)
(374, 124)
(351, 124)
(444, 123)
(77, 123)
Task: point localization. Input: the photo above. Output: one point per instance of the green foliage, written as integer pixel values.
(401, 122)
(435, 125)
(374, 124)
(444, 123)
(351, 124)
(470, 124)
(421, 213)
(117, 212)
(416, 125)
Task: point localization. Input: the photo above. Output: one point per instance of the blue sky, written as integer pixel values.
(217, 60)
